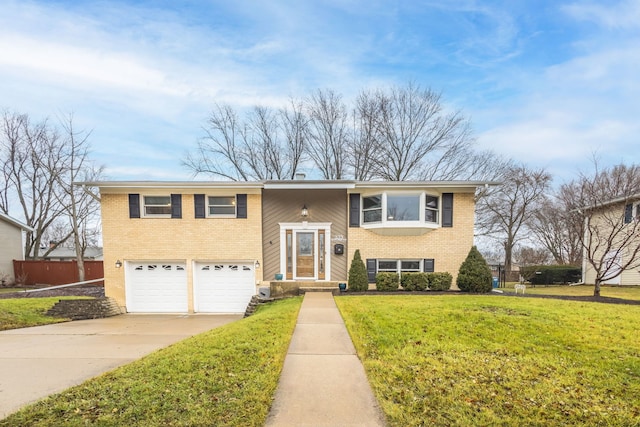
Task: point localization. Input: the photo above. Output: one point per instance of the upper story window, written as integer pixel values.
(631, 212)
(221, 205)
(403, 207)
(400, 207)
(431, 209)
(157, 206)
(372, 208)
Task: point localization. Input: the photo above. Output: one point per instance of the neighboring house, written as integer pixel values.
(207, 246)
(11, 247)
(69, 254)
(611, 231)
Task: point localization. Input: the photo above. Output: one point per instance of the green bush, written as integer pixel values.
(474, 274)
(387, 281)
(358, 280)
(440, 281)
(550, 274)
(414, 281)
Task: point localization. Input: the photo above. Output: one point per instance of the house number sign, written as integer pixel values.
(338, 238)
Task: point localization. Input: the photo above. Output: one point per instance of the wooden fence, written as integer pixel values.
(55, 272)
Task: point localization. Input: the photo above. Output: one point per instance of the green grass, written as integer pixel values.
(24, 312)
(489, 360)
(624, 292)
(224, 377)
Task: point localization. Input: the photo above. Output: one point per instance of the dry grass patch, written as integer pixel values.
(488, 360)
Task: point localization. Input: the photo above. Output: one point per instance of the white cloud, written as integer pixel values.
(623, 15)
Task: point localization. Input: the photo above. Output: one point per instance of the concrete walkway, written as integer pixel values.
(323, 382)
(39, 361)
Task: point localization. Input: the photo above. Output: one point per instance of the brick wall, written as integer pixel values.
(447, 246)
(186, 239)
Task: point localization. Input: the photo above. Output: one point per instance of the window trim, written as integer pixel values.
(386, 223)
(208, 206)
(144, 206)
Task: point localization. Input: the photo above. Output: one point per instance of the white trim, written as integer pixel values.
(313, 227)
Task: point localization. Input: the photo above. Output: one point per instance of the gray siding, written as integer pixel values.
(10, 248)
(285, 205)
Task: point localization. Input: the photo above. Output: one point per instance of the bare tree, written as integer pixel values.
(294, 126)
(528, 255)
(416, 135)
(31, 161)
(557, 229)
(603, 203)
(507, 209)
(265, 144)
(221, 151)
(364, 143)
(327, 133)
(80, 205)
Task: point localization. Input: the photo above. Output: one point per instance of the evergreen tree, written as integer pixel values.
(474, 274)
(358, 280)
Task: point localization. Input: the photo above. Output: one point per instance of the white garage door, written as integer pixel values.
(156, 287)
(223, 287)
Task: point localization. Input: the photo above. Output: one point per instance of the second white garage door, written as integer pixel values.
(223, 287)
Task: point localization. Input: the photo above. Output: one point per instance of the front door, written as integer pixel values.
(305, 258)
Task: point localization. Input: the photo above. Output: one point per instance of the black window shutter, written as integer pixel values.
(176, 206)
(372, 267)
(428, 265)
(354, 210)
(447, 209)
(134, 206)
(628, 213)
(198, 206)
(241, 205)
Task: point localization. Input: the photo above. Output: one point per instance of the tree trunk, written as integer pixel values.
(596, 288)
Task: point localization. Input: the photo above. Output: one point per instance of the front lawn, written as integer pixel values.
(624, 292)
(24, 312)
(490, 360)
(224, 377)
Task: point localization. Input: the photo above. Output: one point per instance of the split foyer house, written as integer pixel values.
(209, 246)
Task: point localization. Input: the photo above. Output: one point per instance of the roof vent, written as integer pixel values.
(300, 175)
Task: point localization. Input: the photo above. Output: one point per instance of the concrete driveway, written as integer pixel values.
(39, 361)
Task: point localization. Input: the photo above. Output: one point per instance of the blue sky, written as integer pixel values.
(547, 83)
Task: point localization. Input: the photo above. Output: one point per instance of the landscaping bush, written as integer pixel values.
(358, 280)
(474, 274)
(387, 281)
(440, 281)
(414, 281)
(550, 274)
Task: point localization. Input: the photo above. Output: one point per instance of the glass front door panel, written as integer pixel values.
(305, 254)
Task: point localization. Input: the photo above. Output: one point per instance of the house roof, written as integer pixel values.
(256, 186)
(15, 222)
(90, 252)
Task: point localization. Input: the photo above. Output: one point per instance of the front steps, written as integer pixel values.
(283, 288)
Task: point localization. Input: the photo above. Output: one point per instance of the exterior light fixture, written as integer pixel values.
(257, 265)
(118, 264)
(305, 212)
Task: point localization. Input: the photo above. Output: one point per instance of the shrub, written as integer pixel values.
(550, 274)
(474, 274)
(414, 281)
(358, 280)
(387, 281)
(440, 281)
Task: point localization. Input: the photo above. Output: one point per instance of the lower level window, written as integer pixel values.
(399, 266)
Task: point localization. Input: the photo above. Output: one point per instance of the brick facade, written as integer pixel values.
(186, 239)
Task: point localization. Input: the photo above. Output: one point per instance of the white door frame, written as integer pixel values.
(308, 227)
